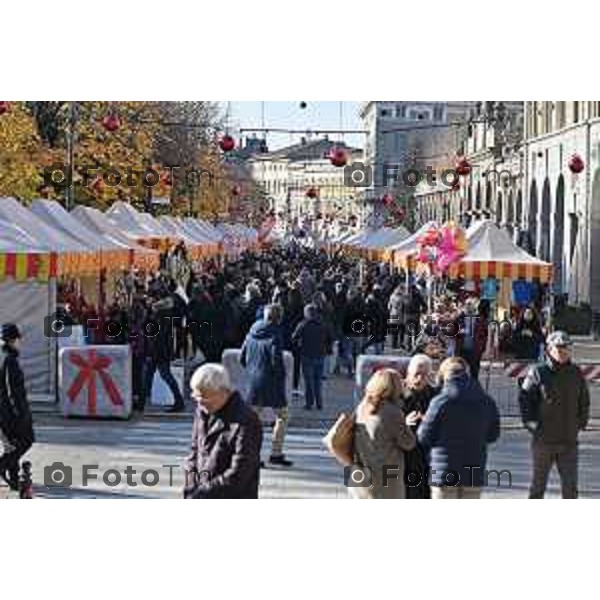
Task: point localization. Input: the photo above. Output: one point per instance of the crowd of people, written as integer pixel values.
(326, 309)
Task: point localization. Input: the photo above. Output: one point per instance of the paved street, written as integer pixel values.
(152, 443)
(158, 440)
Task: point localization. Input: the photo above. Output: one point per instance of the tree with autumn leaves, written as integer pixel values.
(176, 140)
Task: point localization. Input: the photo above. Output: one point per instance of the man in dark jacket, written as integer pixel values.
(312, 337)
(226, 439)
(456, 429)
(16, 423)
(159, 350)
(262, 358)
(411, 309)
(555, 406)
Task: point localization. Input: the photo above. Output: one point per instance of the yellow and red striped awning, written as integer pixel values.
(23, 266)
(502, 270)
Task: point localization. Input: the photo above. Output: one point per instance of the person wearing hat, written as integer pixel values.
(15, 415)
(555, 404)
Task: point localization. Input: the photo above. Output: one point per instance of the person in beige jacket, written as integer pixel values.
(380, 438)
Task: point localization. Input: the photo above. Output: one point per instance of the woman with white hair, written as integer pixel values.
(418, 392)
(226, 439)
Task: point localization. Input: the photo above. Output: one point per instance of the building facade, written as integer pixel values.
(492, 146)
(562, 209)
(300, 180)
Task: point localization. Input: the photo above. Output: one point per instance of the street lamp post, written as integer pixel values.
(69, 189)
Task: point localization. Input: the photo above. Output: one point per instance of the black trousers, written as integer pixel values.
(20, 444)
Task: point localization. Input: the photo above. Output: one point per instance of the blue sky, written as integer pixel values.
(324, 115)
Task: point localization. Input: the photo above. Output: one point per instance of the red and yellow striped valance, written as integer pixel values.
(23, 266)
(502, 270)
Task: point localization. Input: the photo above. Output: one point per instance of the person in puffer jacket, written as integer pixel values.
(456, 429)
(262, 358)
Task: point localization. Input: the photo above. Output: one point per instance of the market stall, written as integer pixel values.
(143, 228)
(27, 297)
(496, 269)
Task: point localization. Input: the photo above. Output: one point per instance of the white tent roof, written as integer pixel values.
(385, 237)
(494, 244)
(175, 228)
(135, 224)
(13, 239)
(98, 223)
(204, 228)
(54, 215)
(476, 229)
(47, 236)
(357, 238)
(410, 243)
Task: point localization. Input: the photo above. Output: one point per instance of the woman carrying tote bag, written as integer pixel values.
(380, 438)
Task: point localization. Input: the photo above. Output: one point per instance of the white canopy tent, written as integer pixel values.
(101, 226)
(492, 253)
(28, 303)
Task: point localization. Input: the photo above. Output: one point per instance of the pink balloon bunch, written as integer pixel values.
(452, 246)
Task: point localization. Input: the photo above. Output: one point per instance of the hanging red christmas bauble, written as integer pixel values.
(236, 190)
(576, 164)
(387, 200)
(400, 214)
(312, 192)
(338, 157)
(227, 143)
(111, 122)
(166, 179)
(463, 167)
(4, 107)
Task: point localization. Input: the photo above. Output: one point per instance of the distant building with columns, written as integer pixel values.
(561, 210)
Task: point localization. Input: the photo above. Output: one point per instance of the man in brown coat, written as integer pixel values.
(226, 440)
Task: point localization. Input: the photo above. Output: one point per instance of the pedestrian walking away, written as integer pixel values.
(456, 429)
(262, 358)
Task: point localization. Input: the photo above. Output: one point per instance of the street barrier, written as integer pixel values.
(500, 379)
(367, 364)
(95, 381)
(501, 382)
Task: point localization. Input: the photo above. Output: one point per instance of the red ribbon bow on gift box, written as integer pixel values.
(94, 364)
